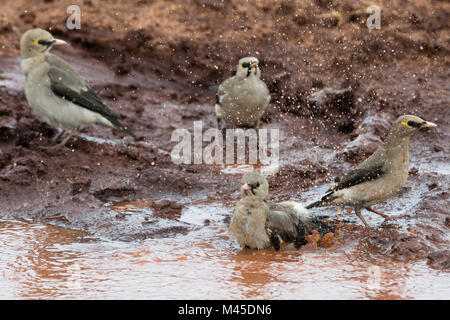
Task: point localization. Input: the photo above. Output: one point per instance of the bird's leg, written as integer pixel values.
(256, 125)
(217, 123)
(66, 139)
(378, 213)
(358, 214)
(59, 135)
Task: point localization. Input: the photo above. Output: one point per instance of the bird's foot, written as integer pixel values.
(358, 214)
(385, 216)
(66, 139)
(397, 217)
(59, 135)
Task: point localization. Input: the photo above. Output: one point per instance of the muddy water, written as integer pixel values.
(42, 261)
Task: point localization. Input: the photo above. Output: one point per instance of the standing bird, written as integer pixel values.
(242, 99)
(380, 176)
(259, 223)
(56, 92)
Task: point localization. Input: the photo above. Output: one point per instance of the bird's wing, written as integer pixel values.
(268, 98)
(266, 92)
(67, 84)
(366, 171)
(283, 221)
(223, 89)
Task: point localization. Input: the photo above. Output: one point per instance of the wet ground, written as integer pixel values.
(111, 214)
(42, 261)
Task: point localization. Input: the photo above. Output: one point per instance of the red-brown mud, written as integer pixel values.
(336, 88)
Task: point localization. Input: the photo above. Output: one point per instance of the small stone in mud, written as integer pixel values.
(227, 220)
(161, 204)
(437, 148)
(313, 238)
(81, 185)
(167, 208)
(113, 192)
(413, 171)
(432, 186)
(120, 215)
(447, 222)
(439, 259)
(19, 174)
(130, 151)
(327, 240)
(4, 159)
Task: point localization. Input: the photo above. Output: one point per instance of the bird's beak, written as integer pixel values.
(245, 189)
(58, 42)
(429, 125)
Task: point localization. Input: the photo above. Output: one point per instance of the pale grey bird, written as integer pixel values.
(380, 176)
(259, 223)
(242, 99)
(56, 92)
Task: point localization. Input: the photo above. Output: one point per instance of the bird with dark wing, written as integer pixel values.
(242, 99)
(56, 92)
(380, 176)
(259, 223)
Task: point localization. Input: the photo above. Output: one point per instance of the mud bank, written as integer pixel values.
(336, 88)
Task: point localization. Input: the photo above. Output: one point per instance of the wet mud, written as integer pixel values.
(336, 88)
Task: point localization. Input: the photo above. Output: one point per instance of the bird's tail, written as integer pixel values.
(119, 125)
(314, 204)
(308, 222)
(325, 201)
(125, 129)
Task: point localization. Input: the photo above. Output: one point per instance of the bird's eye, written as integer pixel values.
(256, 185)
(44, 42)
(246, 65)
(414, 124)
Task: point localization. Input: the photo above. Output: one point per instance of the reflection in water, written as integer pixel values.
(31, 260)
(41, 261)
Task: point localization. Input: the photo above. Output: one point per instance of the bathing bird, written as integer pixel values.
(379, 177)
(259, 223)
(56, 92)
(242, 99)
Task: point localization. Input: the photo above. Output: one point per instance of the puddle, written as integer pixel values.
(97, 139)
(244, 168)
(42, 261)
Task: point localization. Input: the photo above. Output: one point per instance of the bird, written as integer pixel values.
(380, 176)
(242, 99)
(259, 223)
(56, 92)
